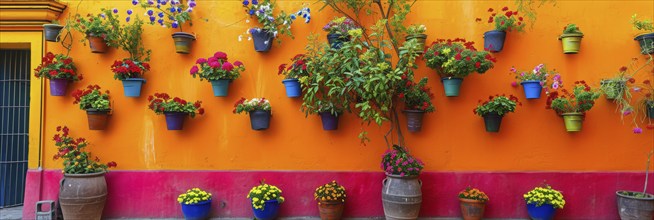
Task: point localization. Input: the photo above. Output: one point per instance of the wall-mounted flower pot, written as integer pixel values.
(97, 43)
(336, 40)
(51, 32)
(414, 119)
(573, 121)
(175, 120)
(132, 87)
(197, 211)
(612, 89)
(98, 118)
(401, 196)
(452, 86)
(633, 207)
(646, 42)
(82, 196)
(472, 209)
(269, 212)
(571, 43)
(183, 42)
(543, 212)
(331, 210)
(260, 120)
(262, 39)
(492, 121)
(58, 87)
(329, 121)
(293, 88)
(421, 38)
(494, 40)
(532, 88)
(650, 110)
(220, 87)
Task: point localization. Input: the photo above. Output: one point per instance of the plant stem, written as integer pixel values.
(649, 157)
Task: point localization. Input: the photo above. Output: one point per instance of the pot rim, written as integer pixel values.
(98, 110)
(650, 197)
(183, 35)
(174, 113)
(530, 81)
(197, 204)
(471, 200)
(571, 35)
(82, 175)
(331, 202)
(572, 114)
(402, 177)
(413, 111)
(134, 79)
(450, 77)
(416, 36)
(53, 25)
(494, 31)
(288, 80)
(641, 35)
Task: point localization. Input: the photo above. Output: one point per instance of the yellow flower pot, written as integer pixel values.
(571, 43)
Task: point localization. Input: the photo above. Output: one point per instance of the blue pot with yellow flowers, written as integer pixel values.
(266, 200)
(196, 204)
(542, 202)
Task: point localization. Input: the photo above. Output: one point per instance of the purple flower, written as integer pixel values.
(127, 19)
(161, 21)
(191, 4)
(227, 66)
(172, 10)
(514, 84)
(251, 12)
(638, 130)
(627, 112)
(129, 11)
(246, 3)
(150, 12)
(103, 16)
(194, 70)
(152, 19)
(161, 14)
(135, 2)
(115, 10)
(255, 2)
(522, 74)
(174, 24)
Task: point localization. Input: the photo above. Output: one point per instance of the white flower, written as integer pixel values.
(240, 38)
(247, 20)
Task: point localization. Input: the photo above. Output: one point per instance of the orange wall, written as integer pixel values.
(452, 139)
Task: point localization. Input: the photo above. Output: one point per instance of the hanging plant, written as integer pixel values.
(338, 31)
(494, 109)
(96, 105)
(175, 109)
(60, 70)
(646, 36)
(172, 14)
(533, 81)
(97, 30)
(271, 26)
(417, 32)
(573, 105)
(219, 71)
(292, 73)
(417, 101)
(259, 110)
(571, 39)
(504, 21)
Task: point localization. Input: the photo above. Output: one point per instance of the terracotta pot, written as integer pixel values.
(97, 118)
(82, 196)
(97, 43)
(331, 210)
(421, 38)
(472, 209)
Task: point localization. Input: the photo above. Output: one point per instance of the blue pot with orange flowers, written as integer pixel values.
(293, 88)
(532, 88)
(543, 212)
(220, 87)
(132, 86)
(269, 211)
(494, 40)
(197, 211)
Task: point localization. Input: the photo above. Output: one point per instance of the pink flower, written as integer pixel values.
(201, 61)
(214, 64)
(513, 70)
(194, 70)
(220, 55)
(212, 59)
(638, 130)
(555, 85)
(514, 84)
(238, 63)
(227, 66)
(627, 112)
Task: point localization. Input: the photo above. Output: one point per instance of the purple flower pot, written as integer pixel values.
(175, 120)
(329, 121)
(260, 120)
(494, 40)
(58, 87)
(414, 119)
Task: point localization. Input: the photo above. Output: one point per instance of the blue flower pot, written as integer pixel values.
(494, 40)
(269, 212)
(175, 120)
(336, 40)
(132, 87)
(259, 119)
(293, 88)
(329, 121)
(452, 86)
(58, 87)
(646, 42)
(532, 88)
(544, 212)
(220, 87)
(198, 211)
(262, 39)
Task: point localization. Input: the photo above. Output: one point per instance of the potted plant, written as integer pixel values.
(259, 110)
(401, 187)
(96, 105)
(571, 39)
(60, 70)
(542, 202)
(494, 109)
(337, 30)
(130, 70)
(196, 204)
(51, 31)
(637, 205)
(292, 73)
(646, 102)
(271, 25)
(533, 81)
(417, 32)
(646, 37)
(331, 200)
(455, 59)
(573, 105)
(217, 70)
(417, 102)
(265, 200)
(175, 109)
(473, 203)
(83, 191)
(172, 15)
(504, 21)
(97, 30)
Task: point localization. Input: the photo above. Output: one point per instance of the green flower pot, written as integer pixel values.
(573, 121)
(571, 43)
(650, 111)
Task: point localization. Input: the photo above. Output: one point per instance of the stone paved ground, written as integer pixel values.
(12, 213)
